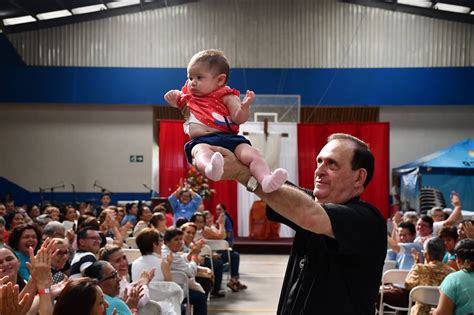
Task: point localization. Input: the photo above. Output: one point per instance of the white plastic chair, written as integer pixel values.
(131, 254)
(131, 243)
(167, 291)
(389, 265)
(397, 277)
(216, 245)
(423, 294)
(182, 280)
(206, 251)
(150, 308)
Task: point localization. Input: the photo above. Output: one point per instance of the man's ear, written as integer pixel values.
(221, 79)
(361, 177)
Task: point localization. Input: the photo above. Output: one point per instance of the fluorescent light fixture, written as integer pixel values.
(452, 8)
(53, 15)
(124, 3)
(89, 9)
(19, 20)
(416, 3)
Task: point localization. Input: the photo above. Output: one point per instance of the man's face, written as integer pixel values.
(105, 200)
(110, 282)
(92, 242)
(405, 236)
(3, 210)
(423, 228)
(438, 216)
(334, 179)
(185, 197)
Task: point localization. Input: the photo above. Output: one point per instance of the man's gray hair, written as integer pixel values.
(54, 228)
(434, 209)
(435, 248)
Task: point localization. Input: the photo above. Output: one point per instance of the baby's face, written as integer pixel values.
(201, 81)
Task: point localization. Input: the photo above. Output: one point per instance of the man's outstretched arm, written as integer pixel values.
(288, 201)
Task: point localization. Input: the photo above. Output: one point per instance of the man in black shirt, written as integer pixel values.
(336, 261)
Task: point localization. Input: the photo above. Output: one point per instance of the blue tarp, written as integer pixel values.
(449, 169)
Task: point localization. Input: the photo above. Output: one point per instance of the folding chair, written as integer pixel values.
(131, 243)
(167, 291)
(206, 251)
(182, 280)
(216, 245)
(131, 254)
(389, 265)
(424, 294)
(394, 276)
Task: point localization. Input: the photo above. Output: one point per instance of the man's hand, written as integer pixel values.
(172, 97)
(455, 201)
(233, 168)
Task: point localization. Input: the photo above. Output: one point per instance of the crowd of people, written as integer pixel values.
(53, 259)
(437, 249)
(75, 257)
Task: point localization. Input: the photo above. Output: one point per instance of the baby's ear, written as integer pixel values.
(221, 79)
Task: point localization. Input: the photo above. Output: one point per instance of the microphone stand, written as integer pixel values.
(51, 189)
(74, 194)
(152, 192)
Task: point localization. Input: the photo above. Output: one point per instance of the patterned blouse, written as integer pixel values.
(432, 274)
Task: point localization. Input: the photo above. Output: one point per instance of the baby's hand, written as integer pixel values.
(248, 99)
(172, 97)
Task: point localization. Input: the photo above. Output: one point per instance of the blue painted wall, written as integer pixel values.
(335, 87)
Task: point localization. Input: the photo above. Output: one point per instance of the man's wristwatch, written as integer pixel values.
(252, 184)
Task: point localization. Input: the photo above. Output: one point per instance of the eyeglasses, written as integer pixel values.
(62, 253)
(112, 276)
(95, 238)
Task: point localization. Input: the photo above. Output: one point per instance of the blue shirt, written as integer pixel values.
(229, 228)
(404, 258)
(23, 270)
(118, 304)
(184, 210)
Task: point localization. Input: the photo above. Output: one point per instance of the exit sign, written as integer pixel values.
(136, 158)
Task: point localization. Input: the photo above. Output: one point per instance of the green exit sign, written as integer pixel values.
(136, 158)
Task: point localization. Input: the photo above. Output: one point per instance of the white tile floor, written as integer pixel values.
(263, 274)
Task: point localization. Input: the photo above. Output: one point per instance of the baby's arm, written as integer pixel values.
(172, 97)
(239, 112)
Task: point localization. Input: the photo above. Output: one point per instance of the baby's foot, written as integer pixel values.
(273, 181)
(215, 168)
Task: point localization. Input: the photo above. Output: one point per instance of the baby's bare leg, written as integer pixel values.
(250, 156)
(208, 161)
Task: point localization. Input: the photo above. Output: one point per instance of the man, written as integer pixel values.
(88, 244)
(424, 229)
(340, 244)
(184, 202)
(438, 216)
(105, 200)
(402, 243)
(54, 229)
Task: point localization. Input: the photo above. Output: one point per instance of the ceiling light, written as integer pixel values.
(89, 9)
(452, 8)
(416, 3)
(53, 15)
(19, 20)
(119, 4)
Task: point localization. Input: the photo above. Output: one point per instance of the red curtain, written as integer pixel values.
(172, 160)
(312, 138)
(173, 166)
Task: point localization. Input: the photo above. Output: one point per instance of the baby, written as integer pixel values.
(213, 113)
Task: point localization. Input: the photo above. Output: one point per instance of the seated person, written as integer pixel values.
(439, 218)
(172, 244)
(449, 235)
(400, 250)
(207, 233)
(424, 229)
(184, 202)
(431, 273)
(457, 289)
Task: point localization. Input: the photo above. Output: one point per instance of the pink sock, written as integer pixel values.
(273, 181)
(215, 168)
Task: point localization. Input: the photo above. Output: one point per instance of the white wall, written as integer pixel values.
(43, 145)
(416, 131)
